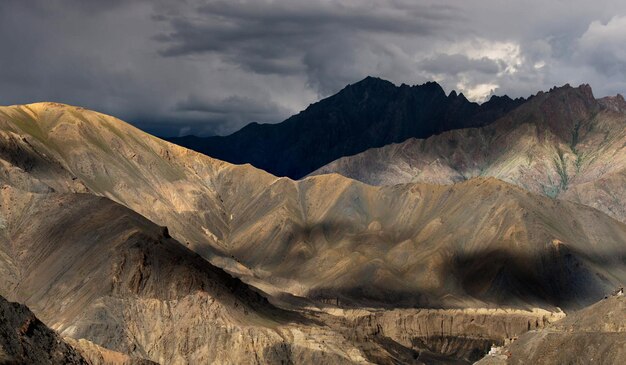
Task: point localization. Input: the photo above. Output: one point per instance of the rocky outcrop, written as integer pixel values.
(98, 355)
(615, 103)
(26, 340)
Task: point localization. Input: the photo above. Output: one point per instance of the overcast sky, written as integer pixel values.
(210, 67)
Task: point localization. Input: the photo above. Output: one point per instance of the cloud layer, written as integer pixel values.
(208, 67)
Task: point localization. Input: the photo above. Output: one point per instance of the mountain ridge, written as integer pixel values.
(370, 113)
(99, 271)
(554, 144)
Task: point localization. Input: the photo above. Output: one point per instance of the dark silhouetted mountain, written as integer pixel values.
(370, 113)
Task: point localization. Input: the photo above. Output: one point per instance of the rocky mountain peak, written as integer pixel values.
(370, 113)
(615, 103)
(585, 89)
(370, 82)
(562, 109)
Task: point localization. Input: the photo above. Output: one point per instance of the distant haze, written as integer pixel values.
(210, 67)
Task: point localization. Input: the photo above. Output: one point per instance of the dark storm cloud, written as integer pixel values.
(205, 67)
(291, 37)
(275, 28)
(229, 105)
(232, 109)
(85, 6)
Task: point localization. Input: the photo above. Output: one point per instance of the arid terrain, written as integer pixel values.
(325, 182)
(134, 249)
(599, 329)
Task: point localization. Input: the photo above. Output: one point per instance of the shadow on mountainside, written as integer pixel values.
(559, 277)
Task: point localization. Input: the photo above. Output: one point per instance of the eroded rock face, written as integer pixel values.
(615, 103)
(93, 269)
(462, 334)
(596, 334)
(98, 271)
(405, 336)
(26, 340)
(98, 355)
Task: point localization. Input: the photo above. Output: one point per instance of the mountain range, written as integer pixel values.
(131, 249)
(323, 237)
(370, 113)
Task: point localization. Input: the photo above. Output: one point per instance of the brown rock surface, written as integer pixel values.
(98, 355)
(25, 340)
(93, 269)
(456, 333)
